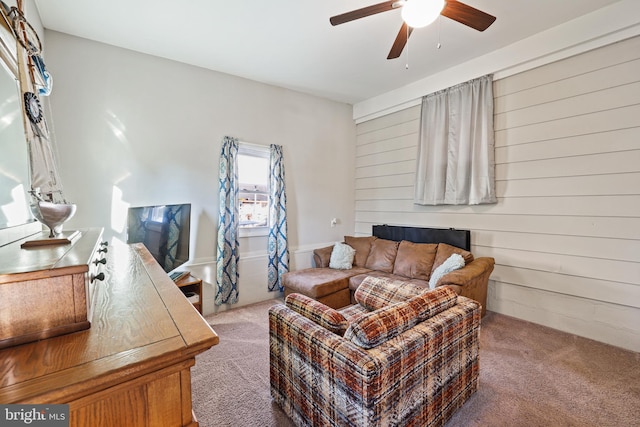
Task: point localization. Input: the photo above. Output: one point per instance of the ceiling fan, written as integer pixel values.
(419, 13)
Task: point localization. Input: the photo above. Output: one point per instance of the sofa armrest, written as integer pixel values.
(322, 256)
(471, 280)
(461, 277)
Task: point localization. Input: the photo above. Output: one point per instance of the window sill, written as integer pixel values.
(253, 231)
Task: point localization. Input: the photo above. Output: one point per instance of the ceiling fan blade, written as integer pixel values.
(401, 41)
(467, 15)
(361, 13)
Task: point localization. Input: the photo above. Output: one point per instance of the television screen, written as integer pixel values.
(164, 230)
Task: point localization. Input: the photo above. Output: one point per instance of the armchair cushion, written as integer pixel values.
(388, 322)
(317, 312)
(378, 292)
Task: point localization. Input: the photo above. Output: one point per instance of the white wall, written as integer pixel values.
(565, 232)
(133, 129)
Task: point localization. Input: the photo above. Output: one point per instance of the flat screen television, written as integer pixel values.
(164, 230)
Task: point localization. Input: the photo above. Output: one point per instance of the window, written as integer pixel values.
(253, 183)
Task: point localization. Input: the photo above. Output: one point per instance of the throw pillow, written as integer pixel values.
(317, 312)
(454, 262)
(341, 256)
(377, 292)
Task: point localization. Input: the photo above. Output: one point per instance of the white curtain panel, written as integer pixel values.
(455, 163)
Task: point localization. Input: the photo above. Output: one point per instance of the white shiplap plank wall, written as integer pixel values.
(565, 232)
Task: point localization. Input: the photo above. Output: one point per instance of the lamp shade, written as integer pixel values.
(420, 13)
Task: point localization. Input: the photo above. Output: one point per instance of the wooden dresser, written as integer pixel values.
(132, 366)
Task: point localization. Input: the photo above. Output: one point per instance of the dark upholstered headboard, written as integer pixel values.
(450, 236)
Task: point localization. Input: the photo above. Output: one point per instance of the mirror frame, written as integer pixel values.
(8, 60)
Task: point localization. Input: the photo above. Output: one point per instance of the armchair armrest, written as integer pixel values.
(322, 256)
(309, 362)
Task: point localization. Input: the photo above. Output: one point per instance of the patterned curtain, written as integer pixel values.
(228, 245)
(277, 241)
(173, 219)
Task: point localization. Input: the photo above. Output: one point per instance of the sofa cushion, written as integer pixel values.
(415, 260)
(382, 255)
(317, 312)
(454, 262)
(362, 245)
(342, 256)
(378, 292)
(445, 251)
(319, 282)
(388, 322)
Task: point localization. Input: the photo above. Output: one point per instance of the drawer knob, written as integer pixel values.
(105, 250)
(99, 276)
(100, 261)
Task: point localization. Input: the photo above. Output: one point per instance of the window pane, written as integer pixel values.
(253, 176)
(252, 170)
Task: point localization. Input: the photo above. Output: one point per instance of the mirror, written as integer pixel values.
(14, 164)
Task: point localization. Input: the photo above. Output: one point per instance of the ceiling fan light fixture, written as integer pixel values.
(420, 13)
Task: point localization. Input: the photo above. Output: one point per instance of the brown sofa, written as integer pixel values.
(405, 261)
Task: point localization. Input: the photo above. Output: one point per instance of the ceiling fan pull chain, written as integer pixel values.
(438, 46)
(406, 67)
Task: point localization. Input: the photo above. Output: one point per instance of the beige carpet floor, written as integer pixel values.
(530, 375)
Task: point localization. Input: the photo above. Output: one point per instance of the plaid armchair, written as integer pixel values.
(401, 356)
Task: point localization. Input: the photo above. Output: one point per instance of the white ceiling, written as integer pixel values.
(290, 43)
